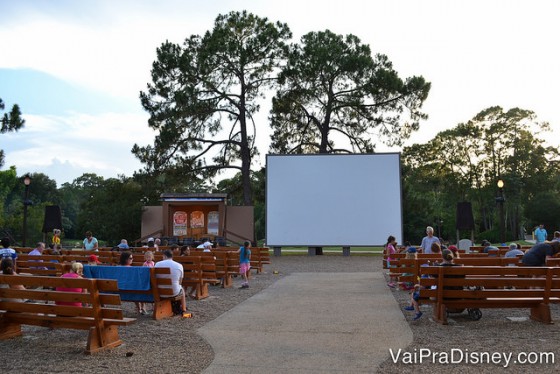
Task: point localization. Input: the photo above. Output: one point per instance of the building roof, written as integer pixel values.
(175, 196)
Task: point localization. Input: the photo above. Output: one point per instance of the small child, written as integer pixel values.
(149, 259)
(149, 262)
(245, 262)
(412, 254)
(414, 297)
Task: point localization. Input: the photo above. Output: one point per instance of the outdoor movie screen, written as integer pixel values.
(333, 200)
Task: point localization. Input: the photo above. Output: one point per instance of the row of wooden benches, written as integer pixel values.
(97, 309)
(455, 288)
(100, 311)
(260, 256)
(431, 256)
(200, 270)
(409, 270)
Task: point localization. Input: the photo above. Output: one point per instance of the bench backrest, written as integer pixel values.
(540, 284)
(98, 302)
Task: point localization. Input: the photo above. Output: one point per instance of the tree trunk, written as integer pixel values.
(245, 154)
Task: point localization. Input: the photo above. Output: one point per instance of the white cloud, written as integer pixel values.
(476, 54)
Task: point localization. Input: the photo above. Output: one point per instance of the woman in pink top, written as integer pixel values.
(390, 249)
(76, 271)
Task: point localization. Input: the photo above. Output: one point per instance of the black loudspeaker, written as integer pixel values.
(53, 218)
(465, 219)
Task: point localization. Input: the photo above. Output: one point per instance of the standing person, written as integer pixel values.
(56, 238)
(390, 249)
(540, 234)
(177, 273)
(90, 242)
(428, 240)
(537, 255)
(245, 262)
(76, 271)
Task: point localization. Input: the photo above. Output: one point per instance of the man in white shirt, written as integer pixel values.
(176, 276)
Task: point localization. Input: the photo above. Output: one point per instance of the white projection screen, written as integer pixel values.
(333, 200)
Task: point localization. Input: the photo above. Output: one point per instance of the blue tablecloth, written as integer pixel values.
(129, 279)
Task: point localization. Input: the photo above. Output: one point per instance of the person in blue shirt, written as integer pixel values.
(540, 234)
(6, 251)
(428, 240)
(90, 242)
(245, 262)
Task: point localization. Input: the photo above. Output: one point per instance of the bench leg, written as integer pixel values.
(541, 313)
(162, 309)
(110, 338)
(202, 291)
(440, 313)
(9, 329)
(228, 282)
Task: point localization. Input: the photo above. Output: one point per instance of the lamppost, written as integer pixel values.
(26, 203)
(500, 200)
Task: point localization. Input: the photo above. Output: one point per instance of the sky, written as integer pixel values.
(76, 67)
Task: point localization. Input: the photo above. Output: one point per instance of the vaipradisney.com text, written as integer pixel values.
(465, 356)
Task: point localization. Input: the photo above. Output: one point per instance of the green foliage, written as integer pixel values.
(465, 162)
(9, 122)
(112, 209)
(332, 88)
(543, 208)
(233, 187)
(204, 94)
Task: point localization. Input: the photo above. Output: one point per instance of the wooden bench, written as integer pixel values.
(100, 314)
(227, 265)
(259, 257)
(430, 256)
(140, 284)
(460, 287)
(408, 270)
(192, 267)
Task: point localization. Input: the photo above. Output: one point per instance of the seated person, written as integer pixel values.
(7, 268)
(454, 250)
(176, 278)
(436, 247)
(76, 271)
(123, 244)
(412, 253)
(490, 249)
(537, 255)
(514, 251)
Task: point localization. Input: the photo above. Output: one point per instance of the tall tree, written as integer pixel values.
(333, 89)
(11, 121)
(204, 96)
(465, 163)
